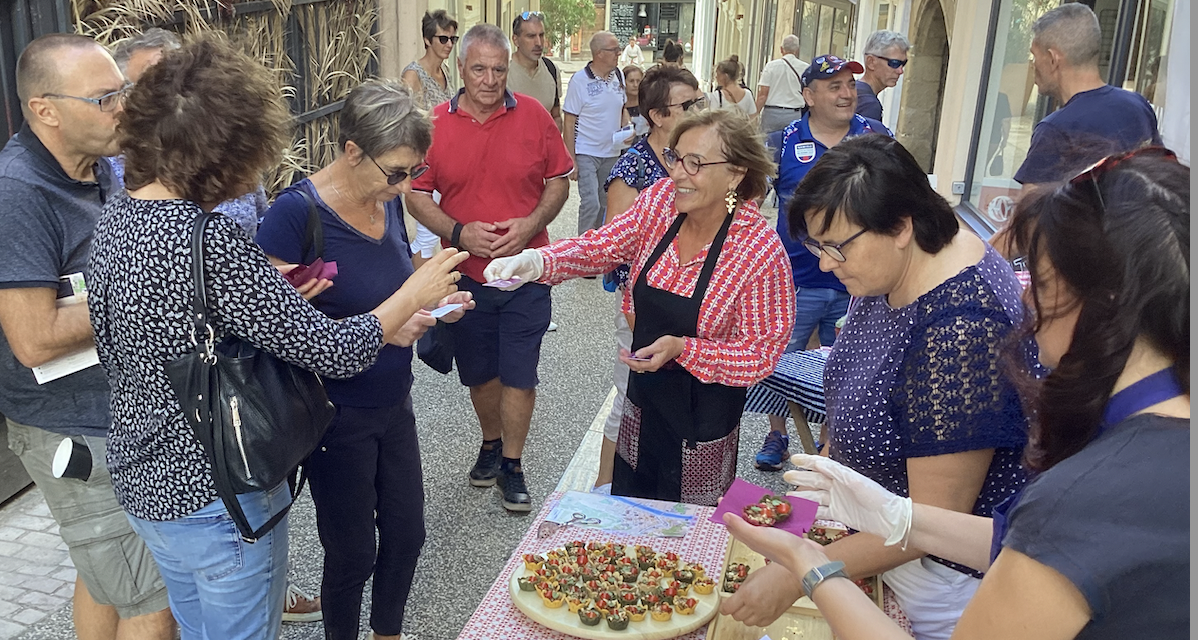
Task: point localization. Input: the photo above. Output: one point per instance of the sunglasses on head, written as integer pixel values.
(399, 176)
(1096, 171)
(891, 62)
(532, 14)
(447, 39)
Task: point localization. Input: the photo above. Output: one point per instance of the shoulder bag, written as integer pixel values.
(256, 416)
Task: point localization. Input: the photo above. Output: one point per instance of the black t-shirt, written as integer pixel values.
(1114, 519)
(1092, 125)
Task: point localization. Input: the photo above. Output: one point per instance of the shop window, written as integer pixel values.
(1013, 106)
(824, 26)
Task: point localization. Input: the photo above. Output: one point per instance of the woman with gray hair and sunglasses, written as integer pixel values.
(365, 475)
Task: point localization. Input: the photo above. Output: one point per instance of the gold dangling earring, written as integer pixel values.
(730, 199)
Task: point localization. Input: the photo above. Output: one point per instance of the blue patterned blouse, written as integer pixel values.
(927, 380)
(639, 168)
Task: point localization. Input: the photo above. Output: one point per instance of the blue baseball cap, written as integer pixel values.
(826, 66)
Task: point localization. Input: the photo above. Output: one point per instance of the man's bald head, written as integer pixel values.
(1072, 29)
(38, 68)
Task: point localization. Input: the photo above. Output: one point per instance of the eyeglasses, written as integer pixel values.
(890, 62)
(833, 250)
(612, 49)
(447, 39)
(106, 102)
(1094, 172)
(399, 176)
(532, 14)
(690, 162)
(701, 103)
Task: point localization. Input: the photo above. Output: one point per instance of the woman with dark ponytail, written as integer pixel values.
(672, 54)
(1097, 544)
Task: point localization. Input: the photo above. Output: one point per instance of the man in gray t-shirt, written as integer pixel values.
(54, 181)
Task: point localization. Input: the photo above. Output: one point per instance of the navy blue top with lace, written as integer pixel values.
(140, 294)
(926, 380)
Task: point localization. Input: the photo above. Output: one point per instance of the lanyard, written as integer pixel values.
(1144, 393)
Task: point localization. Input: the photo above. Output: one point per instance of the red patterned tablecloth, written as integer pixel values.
(706, 543)
(497, 617)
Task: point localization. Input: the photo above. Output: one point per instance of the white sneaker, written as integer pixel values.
(552, 326)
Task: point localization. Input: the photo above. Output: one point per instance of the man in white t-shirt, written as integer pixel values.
(594, 111)
(780, 90)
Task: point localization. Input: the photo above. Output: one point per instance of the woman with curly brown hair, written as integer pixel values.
(201, 127)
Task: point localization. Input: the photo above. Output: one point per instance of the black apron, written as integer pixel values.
(678, 437)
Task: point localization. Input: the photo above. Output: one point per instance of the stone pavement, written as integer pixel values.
(36, 575)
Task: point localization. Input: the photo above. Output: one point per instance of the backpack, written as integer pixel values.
(557, 82)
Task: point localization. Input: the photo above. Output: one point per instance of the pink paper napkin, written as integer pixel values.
(742, 494)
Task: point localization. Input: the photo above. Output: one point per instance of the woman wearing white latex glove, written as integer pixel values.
(858, 502)
(1096, 546)
(527, 266)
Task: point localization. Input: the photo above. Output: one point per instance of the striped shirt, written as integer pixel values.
(747, 315)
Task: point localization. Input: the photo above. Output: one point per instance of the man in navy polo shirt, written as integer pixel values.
(1097, 119)
(501, 167)
(830, 93)
(54, 181)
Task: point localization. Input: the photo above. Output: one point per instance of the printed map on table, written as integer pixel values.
(632, 516)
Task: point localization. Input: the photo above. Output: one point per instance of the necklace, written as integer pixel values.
(339, 195)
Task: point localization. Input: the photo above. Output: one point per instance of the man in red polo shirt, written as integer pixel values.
(501, 167)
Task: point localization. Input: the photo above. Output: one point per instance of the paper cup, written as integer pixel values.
(73, 459)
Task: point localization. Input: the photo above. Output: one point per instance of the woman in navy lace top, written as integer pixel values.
(917, 399)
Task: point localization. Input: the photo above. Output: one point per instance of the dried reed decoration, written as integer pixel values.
(335, 40)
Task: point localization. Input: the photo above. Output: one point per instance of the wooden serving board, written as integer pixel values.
(529, 602)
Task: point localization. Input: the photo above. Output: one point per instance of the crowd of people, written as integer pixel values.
(977, 437)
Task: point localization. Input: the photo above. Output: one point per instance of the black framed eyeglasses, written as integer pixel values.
(834, 251)
(687, 105)
(106, 102)
(399, 176)
(890, 62)
(443, 39)
(690, 162)
(1094, 172)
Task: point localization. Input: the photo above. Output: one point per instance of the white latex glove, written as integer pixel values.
(528, 265)
(851, 498)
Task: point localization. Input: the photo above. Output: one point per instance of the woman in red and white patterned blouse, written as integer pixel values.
(714, 302)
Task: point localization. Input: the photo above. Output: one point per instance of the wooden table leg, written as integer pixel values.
(804, 429)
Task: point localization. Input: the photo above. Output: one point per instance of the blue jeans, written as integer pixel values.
(817, 307)
(221, 587)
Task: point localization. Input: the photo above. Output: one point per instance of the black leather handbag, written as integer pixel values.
(257, 417)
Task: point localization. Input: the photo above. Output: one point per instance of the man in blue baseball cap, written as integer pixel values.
(830, 92)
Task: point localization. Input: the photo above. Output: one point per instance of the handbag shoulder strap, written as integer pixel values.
(792, 70)
(199, 300)
(313, 231)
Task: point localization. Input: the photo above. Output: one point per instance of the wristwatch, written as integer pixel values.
(455, 238)
(817, 575)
